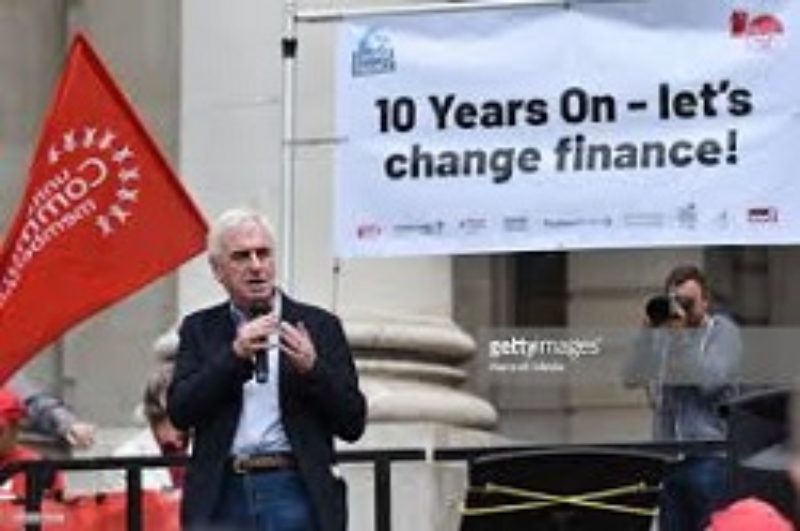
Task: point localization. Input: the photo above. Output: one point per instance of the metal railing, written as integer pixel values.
(39, 473)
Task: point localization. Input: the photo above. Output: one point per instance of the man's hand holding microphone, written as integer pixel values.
(264, 332)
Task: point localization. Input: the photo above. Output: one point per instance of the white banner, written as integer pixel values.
(544, 128)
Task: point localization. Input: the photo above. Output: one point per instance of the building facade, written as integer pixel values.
(208, 80)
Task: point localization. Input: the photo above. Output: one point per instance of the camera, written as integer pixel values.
(661, 308)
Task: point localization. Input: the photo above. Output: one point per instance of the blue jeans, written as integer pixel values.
(267, 501)
(693, 490)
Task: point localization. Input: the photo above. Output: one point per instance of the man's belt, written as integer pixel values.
(251, 464)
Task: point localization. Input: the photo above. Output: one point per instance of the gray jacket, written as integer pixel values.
(45, 413)
(688, 373)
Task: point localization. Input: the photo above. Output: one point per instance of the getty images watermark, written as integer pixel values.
(539, 351)
(614, 355)
(50, 519)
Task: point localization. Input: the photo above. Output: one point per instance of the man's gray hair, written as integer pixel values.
(231, 219)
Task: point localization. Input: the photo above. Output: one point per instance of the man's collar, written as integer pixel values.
(241, 315)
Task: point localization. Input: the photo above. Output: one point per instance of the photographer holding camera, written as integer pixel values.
(687, 360)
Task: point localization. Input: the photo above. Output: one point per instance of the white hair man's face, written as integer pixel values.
(245, 265)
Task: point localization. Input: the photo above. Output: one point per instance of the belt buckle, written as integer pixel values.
(239, 465)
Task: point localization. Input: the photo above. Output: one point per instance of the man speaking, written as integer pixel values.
(264, 383)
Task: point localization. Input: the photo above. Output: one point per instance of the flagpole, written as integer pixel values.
(60, 345)
(289, 53)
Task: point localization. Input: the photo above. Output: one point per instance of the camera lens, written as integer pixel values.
(659, 309)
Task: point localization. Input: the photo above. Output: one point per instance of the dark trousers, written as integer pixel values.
(694, 489)
(267, 501)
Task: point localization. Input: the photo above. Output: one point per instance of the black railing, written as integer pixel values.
(39, 473)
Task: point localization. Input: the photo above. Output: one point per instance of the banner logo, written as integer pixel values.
(762, 215)
(687, 216)
(761, 29)
(472, 225)
(431, 228)
(569, 223)
(516, 224)
(644, 219)
(368, 231)
(374, 55)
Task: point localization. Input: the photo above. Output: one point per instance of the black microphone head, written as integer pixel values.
(261, 362)
(260, 307)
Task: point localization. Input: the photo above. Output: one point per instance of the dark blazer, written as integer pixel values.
(206, 397)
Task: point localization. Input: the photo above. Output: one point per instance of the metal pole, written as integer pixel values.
(35, 485)
(333, 15)
(289, 53)
(133, 477)
(383, 493)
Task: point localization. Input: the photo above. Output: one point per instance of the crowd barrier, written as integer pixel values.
(100, 512)
(138, 510)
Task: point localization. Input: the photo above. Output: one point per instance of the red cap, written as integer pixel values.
(11, 409)
(748, 515)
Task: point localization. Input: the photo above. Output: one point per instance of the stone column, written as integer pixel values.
(38, 29)
(230, 118)
(32, 39)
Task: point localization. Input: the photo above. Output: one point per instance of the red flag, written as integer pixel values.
(102, 215)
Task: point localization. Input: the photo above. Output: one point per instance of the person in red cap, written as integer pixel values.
(11, 413)
(750, 514)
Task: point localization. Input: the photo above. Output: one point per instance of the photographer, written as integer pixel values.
(687, 359)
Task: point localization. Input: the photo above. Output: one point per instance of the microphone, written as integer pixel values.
(261, 367)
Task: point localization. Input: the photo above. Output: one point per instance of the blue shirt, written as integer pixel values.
(260, 429)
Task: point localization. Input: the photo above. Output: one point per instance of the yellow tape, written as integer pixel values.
(543, 500)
